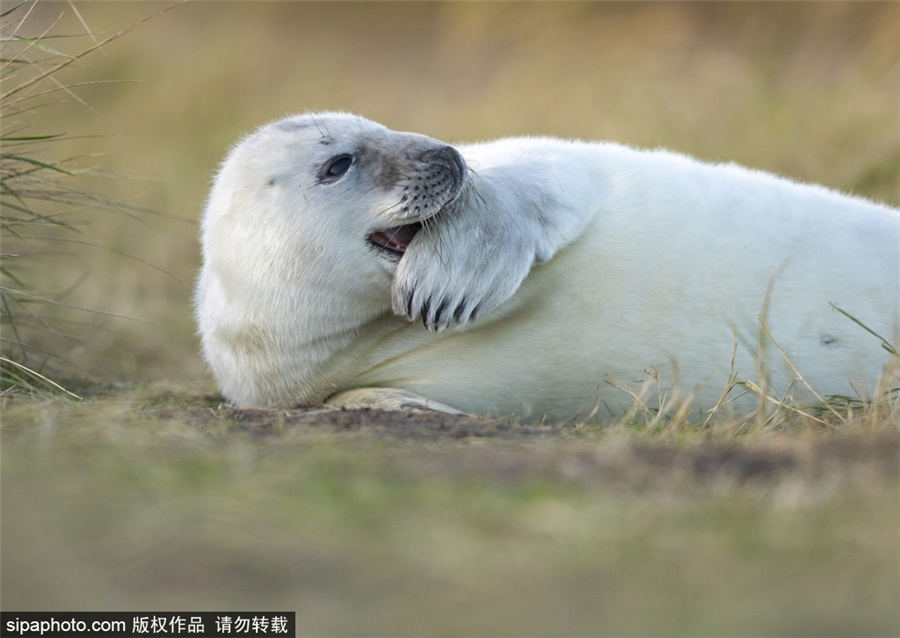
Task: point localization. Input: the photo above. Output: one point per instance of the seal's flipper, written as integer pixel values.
(475, 255)
(387, 399)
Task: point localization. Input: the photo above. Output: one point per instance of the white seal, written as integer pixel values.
(349, 263)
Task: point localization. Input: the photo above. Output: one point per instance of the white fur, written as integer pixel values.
(588, 266)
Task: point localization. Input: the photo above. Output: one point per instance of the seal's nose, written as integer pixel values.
(453, 165)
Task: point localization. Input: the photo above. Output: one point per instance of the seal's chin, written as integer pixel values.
(393, 242)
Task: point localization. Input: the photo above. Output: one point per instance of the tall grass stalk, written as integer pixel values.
(41, 198)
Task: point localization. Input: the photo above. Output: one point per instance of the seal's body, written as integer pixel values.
(553, 278)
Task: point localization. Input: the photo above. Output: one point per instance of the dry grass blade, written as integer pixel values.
(884, 342)
(23, 293)
(37, 375)
(5, 97)
(798, 376)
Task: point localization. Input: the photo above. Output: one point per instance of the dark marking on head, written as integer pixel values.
(829, 341)
(381, 165)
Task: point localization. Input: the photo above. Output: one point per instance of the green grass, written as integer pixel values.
(148, 495)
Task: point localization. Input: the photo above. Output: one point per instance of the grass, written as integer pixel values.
(27, 186)
(149, 494)
(40, 201)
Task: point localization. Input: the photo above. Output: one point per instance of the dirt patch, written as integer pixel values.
(424, 426)
(320, 420)
(463, 447)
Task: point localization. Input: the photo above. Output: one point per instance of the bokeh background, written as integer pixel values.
(809, 90)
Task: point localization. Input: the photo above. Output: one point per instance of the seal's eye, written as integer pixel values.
(334, 168)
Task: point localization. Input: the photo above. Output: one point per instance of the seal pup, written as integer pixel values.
(349, 263)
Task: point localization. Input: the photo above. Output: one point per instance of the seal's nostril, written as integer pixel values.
(455, 161)
(455, 165)
(459, 163)
(448, 157)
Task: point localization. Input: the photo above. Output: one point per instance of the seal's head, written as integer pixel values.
(335, 185)
(306, 223)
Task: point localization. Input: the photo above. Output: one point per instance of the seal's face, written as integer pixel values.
(383, 183)
(328, 203)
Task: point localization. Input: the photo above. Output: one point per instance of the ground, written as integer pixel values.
(408, 524)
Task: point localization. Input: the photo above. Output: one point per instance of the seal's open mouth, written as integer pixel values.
(394, 241)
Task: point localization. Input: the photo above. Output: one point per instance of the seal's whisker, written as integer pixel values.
(440, 245)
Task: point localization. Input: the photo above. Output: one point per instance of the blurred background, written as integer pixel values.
(808, 90)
